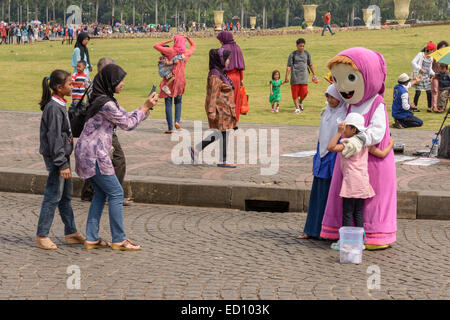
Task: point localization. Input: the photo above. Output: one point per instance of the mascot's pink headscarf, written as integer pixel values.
(372, 66)
(179, 44)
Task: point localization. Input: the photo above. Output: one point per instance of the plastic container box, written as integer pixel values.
(351, 241)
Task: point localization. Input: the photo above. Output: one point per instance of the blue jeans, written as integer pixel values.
(168, 102)
(325, 27)
(105, 187)
(58, 193)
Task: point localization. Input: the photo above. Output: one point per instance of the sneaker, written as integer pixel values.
(297, 111)
(166, 90)
(272, 111)
(277, 109)
(301, 106)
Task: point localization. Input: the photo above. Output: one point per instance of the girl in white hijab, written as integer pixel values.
(323, 162)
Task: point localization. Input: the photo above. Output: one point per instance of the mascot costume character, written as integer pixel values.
(359, 75)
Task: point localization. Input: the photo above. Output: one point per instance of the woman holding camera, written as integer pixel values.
(92, 155)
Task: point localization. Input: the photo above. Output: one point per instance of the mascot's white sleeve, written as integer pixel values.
(377, 127)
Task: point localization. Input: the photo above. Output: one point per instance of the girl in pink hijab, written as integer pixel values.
(359, 75)
(178, 85)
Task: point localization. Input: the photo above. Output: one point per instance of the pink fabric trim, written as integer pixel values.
(372, 238)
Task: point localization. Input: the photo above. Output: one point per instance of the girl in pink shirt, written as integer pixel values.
(355, 181)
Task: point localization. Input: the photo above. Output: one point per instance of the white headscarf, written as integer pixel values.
(330, 119)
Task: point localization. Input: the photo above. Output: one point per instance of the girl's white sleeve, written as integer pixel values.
(416, 62)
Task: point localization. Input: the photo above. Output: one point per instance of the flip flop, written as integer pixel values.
(123, 246)
(78, 239)
(100, 244)
(226, 165)
(127, 202)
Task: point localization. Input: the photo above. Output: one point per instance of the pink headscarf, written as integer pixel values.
(372, 66)
(179, 44)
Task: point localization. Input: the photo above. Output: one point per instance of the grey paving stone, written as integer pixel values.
(257, 258)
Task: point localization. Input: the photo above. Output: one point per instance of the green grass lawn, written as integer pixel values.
(23, 67)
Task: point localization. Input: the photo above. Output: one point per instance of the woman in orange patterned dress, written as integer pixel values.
(219, 106)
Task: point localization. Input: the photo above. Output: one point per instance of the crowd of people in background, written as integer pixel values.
(23, 33)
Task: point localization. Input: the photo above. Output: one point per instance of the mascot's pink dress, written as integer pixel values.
(380, 212)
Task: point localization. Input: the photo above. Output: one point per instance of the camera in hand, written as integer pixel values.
(151, 92)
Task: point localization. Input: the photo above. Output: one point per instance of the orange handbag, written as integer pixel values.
(244, 99)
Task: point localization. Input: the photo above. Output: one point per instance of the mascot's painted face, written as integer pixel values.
(348, 82)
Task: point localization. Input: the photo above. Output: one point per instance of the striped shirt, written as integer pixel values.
(78, 89)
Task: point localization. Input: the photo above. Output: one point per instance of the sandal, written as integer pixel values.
(226, 165)
(45, 243)
(127, 202)
(97, 245)
(75, 239)
(303, 236)
(126, 245)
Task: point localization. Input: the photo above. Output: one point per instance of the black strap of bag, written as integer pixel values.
(77, 115)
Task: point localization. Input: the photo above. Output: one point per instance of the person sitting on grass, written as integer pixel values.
(165, 67)
(401, 109)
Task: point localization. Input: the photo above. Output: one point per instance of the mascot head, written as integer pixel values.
(358, 74)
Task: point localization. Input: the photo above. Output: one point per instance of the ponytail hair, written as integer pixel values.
(58, 77)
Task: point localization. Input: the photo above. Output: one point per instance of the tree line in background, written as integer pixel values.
(269, 13)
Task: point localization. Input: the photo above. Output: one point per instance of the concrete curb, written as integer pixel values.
(229, 194)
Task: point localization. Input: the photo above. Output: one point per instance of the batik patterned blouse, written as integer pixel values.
(95, 141)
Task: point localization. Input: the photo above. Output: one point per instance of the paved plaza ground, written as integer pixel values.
(148, 153)
(213, 253)
(202, 253)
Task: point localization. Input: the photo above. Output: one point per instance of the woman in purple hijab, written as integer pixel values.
(236, 67)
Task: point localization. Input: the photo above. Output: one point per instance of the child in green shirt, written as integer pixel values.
(275, 92)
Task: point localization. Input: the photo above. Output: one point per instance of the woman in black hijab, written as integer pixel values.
(81, 52)
(92, 155)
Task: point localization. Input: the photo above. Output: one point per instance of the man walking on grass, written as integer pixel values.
(298, 64)
(326, 23)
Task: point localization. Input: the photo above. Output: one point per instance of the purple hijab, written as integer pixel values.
(372, 66)
(217, 58)
(236, 57)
